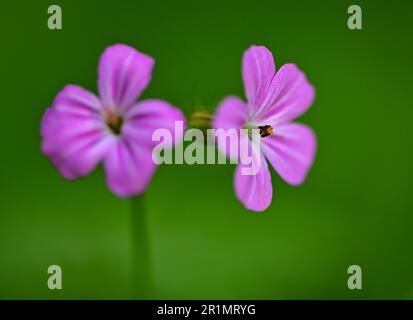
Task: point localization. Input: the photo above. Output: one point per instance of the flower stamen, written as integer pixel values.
(266, 130)
(114, 121)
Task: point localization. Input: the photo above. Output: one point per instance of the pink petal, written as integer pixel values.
(149, 115)
(232, 113)
(258, 70)
(123, 74)
(74, 135)
(129, 168)
(254, 191)
(75, 100)
(288, 97)
(291, 150)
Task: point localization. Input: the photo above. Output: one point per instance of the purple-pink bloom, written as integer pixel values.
(80, 130)
(274, 99)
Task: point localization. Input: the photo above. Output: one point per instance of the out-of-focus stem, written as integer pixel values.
(141, 251)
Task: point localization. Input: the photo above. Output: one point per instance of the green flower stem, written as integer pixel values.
(141, 251)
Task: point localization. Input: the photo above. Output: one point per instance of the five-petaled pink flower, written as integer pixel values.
(81, 130)
(274, 100)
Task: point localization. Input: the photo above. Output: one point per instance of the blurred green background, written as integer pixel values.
(355, 207)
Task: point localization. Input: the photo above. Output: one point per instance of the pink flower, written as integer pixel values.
(80, 130)
(274, 100)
